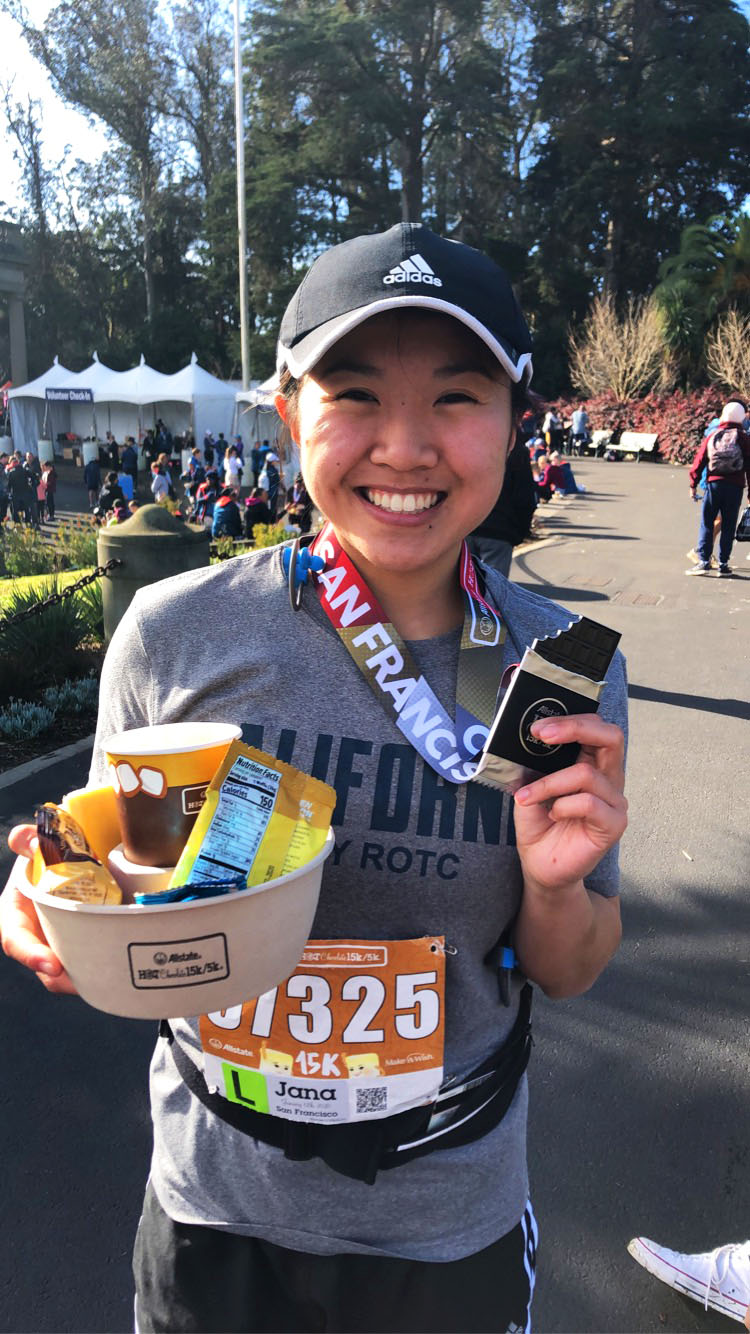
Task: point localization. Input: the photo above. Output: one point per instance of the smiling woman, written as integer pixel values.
(380, 1182)
(403, 429)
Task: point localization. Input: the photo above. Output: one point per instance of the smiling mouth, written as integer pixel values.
(402, 502)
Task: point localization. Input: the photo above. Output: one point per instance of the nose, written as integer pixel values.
(404, 441)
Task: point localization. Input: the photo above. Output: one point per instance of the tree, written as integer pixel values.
(107, 59)
(645, 108)
(728, 353)
(709, 275)
(625, 354)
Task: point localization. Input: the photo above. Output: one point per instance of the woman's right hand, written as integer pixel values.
(20, 931)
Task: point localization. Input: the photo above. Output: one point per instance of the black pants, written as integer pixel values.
(204, 1281)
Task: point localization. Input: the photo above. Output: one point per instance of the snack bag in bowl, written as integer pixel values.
(261, 819)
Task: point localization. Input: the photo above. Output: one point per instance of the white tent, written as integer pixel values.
(83, 416)
(123, 403)
(257, 419)
(211, 399)
(32, 417)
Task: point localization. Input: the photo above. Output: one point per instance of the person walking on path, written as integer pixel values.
(92, 476)
(725, 452)
(272, 481)
(129, 461)
(49, 482)
(407, 1210)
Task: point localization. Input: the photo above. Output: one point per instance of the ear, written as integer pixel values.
(282, 407)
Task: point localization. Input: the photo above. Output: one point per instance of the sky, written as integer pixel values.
(62, 127)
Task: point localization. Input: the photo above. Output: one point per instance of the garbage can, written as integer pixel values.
(152, 545)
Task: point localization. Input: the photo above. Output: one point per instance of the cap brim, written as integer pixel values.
(308, 351)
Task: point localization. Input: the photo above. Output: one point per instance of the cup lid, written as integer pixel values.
(170, 738)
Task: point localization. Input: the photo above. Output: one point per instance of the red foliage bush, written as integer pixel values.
(679, 419)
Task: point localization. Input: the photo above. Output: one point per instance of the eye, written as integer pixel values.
(356, 396)
(457, 396)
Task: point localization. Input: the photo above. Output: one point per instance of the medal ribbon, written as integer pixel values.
(447, 745)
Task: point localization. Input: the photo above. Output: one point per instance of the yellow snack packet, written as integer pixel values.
(261, 819)
(71, 871)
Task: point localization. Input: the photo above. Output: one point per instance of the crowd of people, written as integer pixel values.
(219, 488)
(27, 489)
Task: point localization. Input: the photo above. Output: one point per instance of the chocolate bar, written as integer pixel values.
(562, 674)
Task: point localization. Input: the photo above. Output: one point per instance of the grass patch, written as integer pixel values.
(28, 582)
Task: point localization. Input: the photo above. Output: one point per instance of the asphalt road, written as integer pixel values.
(640, 1090)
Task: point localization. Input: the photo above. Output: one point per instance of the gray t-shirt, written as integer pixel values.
(414, 856)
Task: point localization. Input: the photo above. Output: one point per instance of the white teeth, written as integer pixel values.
(407, 502)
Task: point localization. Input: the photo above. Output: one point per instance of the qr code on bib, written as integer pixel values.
(372, 1100)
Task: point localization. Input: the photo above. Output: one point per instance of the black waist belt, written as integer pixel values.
(361, 1149)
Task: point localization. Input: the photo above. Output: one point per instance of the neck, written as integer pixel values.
(421, 603)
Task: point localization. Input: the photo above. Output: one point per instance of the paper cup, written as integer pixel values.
(133, 878)
(181, 959)
(160, 775)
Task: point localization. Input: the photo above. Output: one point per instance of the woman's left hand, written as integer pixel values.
(566, 821)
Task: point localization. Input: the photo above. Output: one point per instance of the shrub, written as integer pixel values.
(91, 609)
(224, 547)
(623, 353)
(72, 696)
(21, 720)
(44, 647)
(75, 547)
(679, 419)
(24, 551)
(270, 535)
(728, 353)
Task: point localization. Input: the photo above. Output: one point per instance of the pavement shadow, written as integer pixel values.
(731, 708)
(561, 594)
(77, 1139)
(639, 1098)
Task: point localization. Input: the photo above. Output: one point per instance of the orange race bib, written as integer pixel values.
(357, 1032)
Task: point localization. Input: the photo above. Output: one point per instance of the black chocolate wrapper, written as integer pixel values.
(528, 701)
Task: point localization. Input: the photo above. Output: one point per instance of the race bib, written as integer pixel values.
(357, 1032)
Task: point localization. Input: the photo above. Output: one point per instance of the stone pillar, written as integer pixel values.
(17, 327)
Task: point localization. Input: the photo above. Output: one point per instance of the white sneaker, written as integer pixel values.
(719, 1279)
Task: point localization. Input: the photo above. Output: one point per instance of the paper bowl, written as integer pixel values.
(184, 958)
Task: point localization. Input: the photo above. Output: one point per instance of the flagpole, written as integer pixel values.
(239, 121)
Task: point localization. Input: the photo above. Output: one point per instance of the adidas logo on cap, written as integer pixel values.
(413, 270)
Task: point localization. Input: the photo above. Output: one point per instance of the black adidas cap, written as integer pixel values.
(406, 266)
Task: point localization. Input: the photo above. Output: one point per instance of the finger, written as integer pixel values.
(588, 730)
(580, 777)
(23, 840)
(609, 821)
(22, 935)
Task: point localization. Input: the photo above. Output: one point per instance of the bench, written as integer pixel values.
(635, 443)
(599, 442)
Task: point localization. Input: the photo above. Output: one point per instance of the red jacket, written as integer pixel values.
(739, 478)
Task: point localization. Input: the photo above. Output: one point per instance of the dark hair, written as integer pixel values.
(111, 476)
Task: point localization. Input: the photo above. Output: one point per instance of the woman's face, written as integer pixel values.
(403, 430)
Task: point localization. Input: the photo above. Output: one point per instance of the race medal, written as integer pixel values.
(356, 1033)
(449, 745)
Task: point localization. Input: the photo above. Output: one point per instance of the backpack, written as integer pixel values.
(724, 451)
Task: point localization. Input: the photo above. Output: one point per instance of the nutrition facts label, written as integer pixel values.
(246, 801)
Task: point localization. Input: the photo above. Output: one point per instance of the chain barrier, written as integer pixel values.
(55, 599)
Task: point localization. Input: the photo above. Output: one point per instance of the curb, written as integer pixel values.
(22, 771)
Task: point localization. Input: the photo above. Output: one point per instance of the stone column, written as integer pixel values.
(17, 327)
